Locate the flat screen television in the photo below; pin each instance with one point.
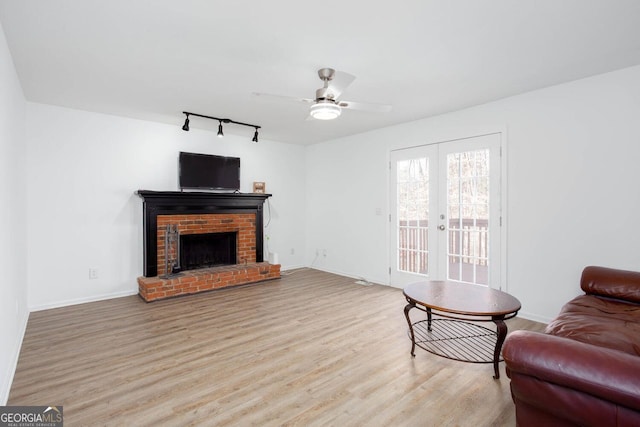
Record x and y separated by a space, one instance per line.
208 172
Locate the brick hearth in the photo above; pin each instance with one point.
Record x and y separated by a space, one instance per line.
205 279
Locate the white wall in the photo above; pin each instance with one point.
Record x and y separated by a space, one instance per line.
573 199
13 280
83 169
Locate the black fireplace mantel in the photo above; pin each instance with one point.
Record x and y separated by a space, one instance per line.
177 202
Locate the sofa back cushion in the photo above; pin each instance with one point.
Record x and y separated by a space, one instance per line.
611 283
603 322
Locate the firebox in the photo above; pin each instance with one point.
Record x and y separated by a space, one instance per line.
207 250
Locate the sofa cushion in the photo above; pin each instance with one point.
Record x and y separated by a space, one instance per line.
599 321
611 283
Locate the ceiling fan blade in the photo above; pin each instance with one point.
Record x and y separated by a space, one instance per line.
340 82
375 108
268 96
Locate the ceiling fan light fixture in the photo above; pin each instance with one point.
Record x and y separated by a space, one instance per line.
325 111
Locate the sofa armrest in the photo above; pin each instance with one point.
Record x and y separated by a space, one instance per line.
611 283
603 373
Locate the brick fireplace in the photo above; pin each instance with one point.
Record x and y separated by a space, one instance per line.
172 216
241 224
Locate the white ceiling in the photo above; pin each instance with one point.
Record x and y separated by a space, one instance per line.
153 59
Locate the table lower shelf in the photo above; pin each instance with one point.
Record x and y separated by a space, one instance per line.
456 340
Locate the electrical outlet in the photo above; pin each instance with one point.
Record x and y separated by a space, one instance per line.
293 251
93 273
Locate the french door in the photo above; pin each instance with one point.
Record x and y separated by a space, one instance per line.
446 212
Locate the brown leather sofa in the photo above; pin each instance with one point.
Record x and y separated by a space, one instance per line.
585 369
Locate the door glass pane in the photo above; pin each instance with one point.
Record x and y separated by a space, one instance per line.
468 209
412 213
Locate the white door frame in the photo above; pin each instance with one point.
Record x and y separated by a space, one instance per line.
501 282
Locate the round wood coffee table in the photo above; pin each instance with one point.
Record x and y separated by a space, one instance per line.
456 334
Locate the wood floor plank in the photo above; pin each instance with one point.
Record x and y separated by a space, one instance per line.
311 348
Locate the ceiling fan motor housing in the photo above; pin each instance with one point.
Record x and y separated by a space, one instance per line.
324 94
326 75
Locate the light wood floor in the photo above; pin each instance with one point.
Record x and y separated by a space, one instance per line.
309 349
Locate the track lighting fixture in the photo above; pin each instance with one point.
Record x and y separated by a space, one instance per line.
220 121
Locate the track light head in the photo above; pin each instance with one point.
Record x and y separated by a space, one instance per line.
220 133
186 124
255 136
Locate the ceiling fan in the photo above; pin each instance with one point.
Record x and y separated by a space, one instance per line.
326 105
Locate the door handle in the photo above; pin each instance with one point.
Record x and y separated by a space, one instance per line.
441 227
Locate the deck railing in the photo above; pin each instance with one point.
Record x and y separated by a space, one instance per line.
468 243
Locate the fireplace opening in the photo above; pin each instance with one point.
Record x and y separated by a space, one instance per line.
207 250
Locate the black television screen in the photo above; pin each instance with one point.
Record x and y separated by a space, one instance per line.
209 172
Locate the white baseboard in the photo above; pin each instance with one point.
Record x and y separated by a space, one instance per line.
534 317
11 369
291 267
76 301
342 273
